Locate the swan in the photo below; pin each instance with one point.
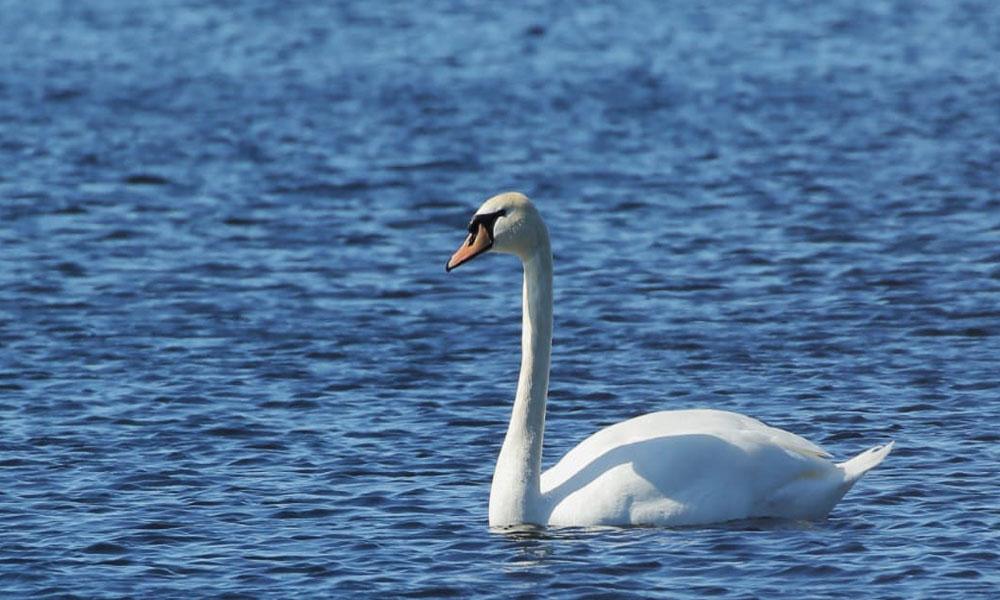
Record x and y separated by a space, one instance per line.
668 468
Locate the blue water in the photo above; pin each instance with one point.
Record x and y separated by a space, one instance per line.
231 362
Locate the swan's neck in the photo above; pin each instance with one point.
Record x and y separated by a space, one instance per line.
515 497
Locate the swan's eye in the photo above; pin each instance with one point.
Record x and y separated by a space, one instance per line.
487 220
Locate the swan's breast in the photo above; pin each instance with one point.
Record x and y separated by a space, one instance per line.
616 496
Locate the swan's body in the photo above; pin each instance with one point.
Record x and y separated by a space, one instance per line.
689 467
684 467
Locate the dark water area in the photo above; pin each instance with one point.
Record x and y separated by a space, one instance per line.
231 362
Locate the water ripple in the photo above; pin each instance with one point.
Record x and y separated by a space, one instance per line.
231 363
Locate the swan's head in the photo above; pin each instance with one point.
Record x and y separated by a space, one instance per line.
507 223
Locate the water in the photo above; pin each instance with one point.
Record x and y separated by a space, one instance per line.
231 362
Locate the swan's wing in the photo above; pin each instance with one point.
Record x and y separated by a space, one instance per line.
719 423
788 440
689 467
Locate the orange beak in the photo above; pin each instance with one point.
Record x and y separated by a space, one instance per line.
474 245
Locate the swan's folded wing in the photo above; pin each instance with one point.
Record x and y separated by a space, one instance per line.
736 428
720 422
794 443
760 431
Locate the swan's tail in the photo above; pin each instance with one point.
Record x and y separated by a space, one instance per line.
864 462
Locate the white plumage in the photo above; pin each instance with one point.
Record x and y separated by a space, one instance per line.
684 467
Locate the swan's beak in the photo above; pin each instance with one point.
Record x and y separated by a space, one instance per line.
474 245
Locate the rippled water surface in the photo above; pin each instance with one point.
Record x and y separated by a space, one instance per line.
231 361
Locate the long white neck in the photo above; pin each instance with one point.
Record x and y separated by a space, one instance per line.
515 497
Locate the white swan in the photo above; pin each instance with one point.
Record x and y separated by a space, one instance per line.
670 468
